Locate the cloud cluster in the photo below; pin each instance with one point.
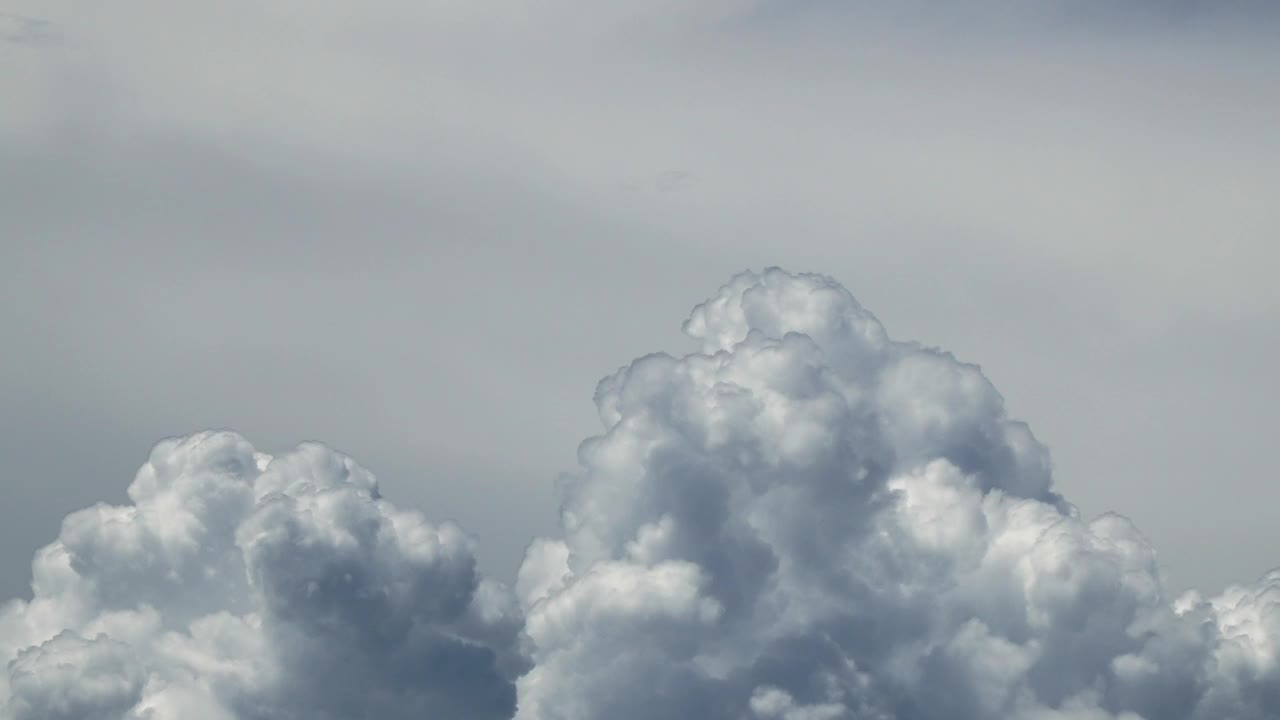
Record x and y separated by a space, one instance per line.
809 520
237 585
803 520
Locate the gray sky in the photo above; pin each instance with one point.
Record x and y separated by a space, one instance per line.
421 232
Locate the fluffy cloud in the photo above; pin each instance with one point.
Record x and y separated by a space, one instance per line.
807 519
237 585
803 520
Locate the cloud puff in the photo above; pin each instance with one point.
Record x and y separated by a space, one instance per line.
237 585
807 519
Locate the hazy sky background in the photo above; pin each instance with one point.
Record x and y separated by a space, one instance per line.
422 231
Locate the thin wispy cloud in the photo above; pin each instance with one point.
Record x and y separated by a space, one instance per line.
23 30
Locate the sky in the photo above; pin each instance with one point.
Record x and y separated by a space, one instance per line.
422 232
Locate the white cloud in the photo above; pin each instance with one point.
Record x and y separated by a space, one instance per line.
810 520
804 520
237 585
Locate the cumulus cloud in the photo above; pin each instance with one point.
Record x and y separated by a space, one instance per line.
802 520
806 519
238 585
